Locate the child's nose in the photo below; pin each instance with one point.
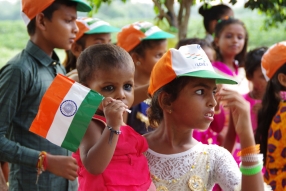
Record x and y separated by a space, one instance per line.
75 28
120 95
212 102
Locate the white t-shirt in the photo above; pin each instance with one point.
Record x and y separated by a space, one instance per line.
201 166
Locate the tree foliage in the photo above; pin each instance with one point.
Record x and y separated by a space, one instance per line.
275 10
178 20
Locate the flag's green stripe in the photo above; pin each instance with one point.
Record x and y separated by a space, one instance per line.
81 121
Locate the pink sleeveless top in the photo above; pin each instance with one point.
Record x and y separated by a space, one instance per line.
127 170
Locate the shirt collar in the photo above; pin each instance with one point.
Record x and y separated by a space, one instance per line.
40 55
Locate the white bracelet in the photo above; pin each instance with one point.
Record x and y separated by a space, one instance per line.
252 166
252 158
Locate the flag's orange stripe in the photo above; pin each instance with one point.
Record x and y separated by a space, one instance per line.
48 107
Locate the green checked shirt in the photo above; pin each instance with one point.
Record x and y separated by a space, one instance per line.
23 82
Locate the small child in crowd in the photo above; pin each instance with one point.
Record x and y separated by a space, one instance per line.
208 136
146 44
230 44
110 156
91 31
271 131
211 15
258 83
182 89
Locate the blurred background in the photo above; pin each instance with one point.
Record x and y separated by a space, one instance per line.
13 35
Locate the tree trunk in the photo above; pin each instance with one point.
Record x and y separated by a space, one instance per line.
183 18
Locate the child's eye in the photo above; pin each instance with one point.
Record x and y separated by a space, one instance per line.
128 87
200 92
108 88
159 55
240 37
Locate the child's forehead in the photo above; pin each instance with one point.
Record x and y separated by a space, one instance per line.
125 65
64 10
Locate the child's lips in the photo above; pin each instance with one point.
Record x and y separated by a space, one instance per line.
72 40
210 115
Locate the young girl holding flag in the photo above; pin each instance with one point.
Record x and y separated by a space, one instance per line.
110 156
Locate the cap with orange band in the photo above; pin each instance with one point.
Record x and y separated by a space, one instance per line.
30 8
88 25
273 59
131 35
189 60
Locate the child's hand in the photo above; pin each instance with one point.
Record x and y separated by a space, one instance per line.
63 166
239 109
113 111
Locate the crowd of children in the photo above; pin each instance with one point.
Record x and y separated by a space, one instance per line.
200 112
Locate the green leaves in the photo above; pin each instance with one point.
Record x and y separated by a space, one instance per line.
275 11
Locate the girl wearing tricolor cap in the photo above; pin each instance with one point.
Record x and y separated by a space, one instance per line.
271 131
182 90
91 31
146 43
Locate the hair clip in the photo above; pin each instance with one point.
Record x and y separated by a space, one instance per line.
283 95
224 18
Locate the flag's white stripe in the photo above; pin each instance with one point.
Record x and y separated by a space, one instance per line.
61 123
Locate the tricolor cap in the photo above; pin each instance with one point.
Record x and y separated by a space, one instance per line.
30 8
131 35
273 59
189 60
88 25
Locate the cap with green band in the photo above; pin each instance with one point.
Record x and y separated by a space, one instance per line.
131 35
30 8
88 25
189 60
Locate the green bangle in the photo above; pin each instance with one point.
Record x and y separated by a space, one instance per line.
252 170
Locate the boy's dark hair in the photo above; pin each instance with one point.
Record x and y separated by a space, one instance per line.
212 13
218 30
146 44
202 42
48 12
253 60
70 60
101 57
173 88
270 103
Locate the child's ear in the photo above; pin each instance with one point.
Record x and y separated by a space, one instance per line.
135 57
40 21
212 25
164 101
215 42
282 79
76 49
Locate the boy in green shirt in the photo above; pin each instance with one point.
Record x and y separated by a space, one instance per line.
23 81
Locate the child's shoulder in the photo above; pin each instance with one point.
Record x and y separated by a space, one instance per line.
217 151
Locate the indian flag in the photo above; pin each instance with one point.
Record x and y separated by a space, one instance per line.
65 112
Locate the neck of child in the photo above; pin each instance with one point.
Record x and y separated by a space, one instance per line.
171 139
229 61
141 78
254 94
42 44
